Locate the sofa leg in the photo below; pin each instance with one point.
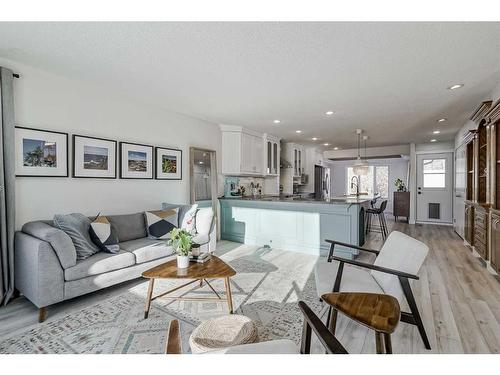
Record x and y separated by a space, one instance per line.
42 314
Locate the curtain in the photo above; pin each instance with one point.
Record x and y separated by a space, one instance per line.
7 177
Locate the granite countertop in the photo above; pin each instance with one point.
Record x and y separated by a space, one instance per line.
295 199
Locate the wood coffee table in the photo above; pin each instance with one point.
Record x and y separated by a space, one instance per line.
215 268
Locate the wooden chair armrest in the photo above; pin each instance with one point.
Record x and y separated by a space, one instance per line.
313 323
174 338
333 243
375 268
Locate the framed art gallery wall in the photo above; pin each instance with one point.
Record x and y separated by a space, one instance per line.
47 101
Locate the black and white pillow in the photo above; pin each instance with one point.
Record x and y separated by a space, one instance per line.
160 223
104 235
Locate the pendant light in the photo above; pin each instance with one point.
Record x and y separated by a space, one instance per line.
360 167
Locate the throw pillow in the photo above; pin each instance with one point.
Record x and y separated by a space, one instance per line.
104 235
189 220
77 226
160 223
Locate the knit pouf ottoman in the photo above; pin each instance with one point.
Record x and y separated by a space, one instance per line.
223 332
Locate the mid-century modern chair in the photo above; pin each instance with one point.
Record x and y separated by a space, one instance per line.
311 324
398 261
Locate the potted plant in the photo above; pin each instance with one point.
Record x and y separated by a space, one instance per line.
182 242
400 185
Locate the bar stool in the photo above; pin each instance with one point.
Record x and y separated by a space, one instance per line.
379 312
382 227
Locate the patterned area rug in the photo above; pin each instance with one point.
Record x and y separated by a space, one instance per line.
266 288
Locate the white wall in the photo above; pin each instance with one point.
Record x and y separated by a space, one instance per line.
398 168
47 101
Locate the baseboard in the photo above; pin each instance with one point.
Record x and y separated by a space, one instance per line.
434 223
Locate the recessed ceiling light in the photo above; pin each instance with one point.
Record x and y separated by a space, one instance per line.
314 138
433 140
457 86
335 148
436 132
442 119
326 144
277 121
298 131
329 113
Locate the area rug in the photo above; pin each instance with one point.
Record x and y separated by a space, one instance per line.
267 287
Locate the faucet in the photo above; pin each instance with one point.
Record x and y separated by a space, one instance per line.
355 184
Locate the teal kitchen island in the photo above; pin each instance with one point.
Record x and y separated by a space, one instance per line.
293 224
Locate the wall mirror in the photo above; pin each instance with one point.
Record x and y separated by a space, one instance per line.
203 177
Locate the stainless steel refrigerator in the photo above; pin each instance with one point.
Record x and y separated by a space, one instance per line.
321 182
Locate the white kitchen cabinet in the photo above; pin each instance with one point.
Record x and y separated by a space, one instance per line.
242 151
271 155
294 154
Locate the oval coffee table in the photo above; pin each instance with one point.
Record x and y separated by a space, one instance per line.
215 268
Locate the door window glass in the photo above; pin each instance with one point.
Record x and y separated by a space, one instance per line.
434 173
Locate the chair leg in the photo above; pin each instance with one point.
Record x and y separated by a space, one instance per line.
381 226
385 225
388 344
405 284
333 322
378 342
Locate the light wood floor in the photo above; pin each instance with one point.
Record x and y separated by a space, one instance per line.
458 298
459 301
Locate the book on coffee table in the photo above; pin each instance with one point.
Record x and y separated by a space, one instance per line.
202 258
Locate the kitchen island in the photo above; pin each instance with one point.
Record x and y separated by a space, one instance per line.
295 224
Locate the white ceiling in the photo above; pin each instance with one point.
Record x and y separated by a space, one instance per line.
389 79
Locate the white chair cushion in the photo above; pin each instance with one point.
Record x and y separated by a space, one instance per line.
267 347
354 279
401 253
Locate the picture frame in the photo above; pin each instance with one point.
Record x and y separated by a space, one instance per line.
41 153
94 157
136 161
168 163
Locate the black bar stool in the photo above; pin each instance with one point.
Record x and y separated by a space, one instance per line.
382 227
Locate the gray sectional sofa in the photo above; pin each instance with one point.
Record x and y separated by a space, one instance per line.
47 270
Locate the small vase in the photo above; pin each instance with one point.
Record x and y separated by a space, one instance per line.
182 261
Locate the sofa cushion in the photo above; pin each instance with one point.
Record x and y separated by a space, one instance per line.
58 239
186 212
147 249
160 223
104 235
129 227
201 239
77 227
99 263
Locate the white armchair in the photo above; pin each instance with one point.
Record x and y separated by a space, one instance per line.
398 261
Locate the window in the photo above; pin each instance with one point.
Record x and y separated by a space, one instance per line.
434 173
375 182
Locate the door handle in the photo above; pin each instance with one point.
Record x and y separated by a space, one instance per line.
419 192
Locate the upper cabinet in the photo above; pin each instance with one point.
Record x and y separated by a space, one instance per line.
246 152
294 153
272 155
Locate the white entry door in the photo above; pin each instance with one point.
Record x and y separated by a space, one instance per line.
435 187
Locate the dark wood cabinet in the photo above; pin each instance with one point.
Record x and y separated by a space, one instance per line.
495 240
401 204
481 231
469 223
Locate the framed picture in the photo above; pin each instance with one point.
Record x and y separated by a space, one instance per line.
168 164
136 161
93 157
41 153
